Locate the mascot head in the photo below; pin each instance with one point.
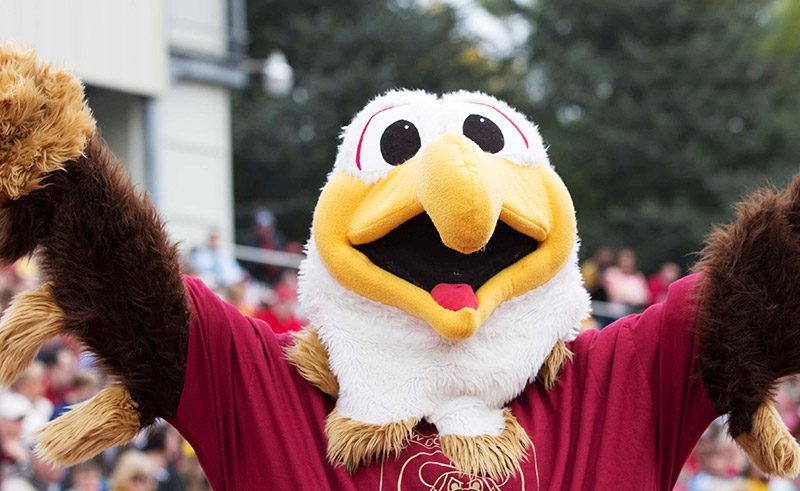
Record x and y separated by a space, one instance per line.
444 208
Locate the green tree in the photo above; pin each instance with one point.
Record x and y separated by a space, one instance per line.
659 113
343 53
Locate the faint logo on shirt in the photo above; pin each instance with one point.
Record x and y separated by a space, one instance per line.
423 467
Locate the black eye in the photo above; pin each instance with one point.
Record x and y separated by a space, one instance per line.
399 142
484 132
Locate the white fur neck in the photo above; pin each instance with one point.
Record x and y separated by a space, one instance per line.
392 366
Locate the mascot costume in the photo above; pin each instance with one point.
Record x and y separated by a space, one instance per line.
444 298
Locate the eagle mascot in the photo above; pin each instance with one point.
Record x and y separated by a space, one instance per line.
444 304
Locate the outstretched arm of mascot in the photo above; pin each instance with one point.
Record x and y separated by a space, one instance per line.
749 322
110 276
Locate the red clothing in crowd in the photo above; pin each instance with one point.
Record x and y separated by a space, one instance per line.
625 414
278 325
658 287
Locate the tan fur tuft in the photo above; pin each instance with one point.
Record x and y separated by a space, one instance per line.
770 445
33 318
353 443
44 121
311 360
486 455
108 419
553 364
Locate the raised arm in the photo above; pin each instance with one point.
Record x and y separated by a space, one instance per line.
749 321
111 276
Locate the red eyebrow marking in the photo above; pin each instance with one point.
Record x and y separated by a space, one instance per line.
361 138
507 118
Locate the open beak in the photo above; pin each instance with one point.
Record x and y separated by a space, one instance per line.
448 235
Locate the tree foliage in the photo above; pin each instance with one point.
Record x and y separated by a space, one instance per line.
343 53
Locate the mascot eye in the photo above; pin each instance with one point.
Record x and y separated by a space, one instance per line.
484 132
400 141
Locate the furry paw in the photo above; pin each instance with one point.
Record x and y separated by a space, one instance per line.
488 455
352 443
44 121
770 445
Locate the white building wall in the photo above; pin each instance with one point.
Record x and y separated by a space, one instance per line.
194 171
116 44
121 119
194 187
124 46
199 26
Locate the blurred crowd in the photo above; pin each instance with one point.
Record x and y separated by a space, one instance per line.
259 290
617 286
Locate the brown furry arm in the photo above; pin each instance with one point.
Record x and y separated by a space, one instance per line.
111 275
749 317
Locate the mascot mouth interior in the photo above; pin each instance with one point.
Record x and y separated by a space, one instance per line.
414 252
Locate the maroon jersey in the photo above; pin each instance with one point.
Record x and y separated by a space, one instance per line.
625 413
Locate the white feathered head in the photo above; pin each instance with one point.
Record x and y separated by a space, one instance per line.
443 207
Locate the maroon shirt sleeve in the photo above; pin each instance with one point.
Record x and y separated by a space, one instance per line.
244 409
660 346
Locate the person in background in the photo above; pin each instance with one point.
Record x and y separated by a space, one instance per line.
61 364
32 384
215 267
264 234
83 386
593 270
280 315
624 283
134 471
14 456
164 448
87 476
659 282
46 477
236 295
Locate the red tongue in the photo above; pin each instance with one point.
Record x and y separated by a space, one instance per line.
454 297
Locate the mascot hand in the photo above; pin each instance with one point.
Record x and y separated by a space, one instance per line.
749 321
110 276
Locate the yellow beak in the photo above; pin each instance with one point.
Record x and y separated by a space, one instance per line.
465 192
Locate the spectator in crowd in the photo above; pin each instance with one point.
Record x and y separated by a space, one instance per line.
280 314
134 471
720 463
593 270
14 455
32 385
624 283
82 387
659 282
215 267
236 295
265 232
46 477
87 476
61 364
164 449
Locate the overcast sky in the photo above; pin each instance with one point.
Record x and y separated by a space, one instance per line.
497 35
